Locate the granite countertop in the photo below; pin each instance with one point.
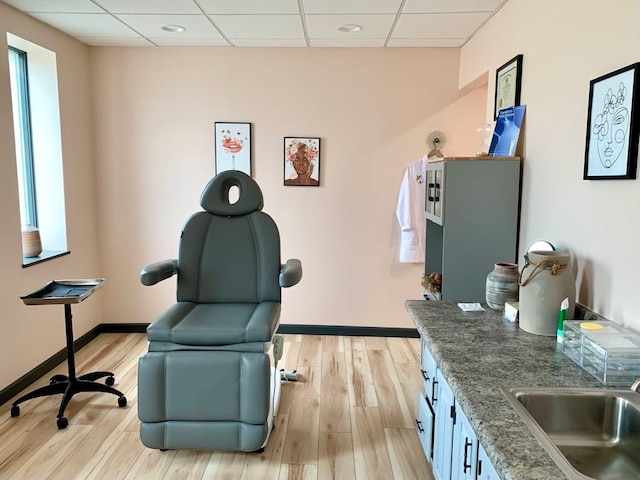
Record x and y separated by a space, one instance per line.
480 352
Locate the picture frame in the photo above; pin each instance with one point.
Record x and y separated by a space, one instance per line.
611 149
508 85
302 161
232 146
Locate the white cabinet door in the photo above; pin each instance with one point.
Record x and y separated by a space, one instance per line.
428 368
443 435
485 470
463 457
424 425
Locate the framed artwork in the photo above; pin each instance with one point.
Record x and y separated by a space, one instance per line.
233 147
302 161
508 84
611 150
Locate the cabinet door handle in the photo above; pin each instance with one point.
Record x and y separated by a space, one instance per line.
467 444
425 375
479 468
420 429
433 392
433 196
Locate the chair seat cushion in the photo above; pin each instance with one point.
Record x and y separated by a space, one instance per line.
188 323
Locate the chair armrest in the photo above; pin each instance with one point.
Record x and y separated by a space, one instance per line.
290 273
156 272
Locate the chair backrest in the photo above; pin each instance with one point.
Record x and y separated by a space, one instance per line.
229 253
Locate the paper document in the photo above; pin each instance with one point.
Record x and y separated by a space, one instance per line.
471 307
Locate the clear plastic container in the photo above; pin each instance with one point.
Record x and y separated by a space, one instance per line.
608 351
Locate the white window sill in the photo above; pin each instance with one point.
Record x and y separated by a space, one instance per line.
43 257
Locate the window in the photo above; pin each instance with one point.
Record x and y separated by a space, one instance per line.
36 119
22 123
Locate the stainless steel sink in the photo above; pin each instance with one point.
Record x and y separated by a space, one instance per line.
589 433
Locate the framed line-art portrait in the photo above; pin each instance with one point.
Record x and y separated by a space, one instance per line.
611 150
232 147
508 85
302 161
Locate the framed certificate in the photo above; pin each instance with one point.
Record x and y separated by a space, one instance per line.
508 83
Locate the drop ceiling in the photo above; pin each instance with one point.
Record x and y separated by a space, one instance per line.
265 23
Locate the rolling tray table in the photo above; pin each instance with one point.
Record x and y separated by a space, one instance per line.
67 292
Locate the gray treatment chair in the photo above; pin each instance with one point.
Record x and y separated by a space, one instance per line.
207 382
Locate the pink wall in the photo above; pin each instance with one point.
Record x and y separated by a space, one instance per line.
596 220
32 334
154 110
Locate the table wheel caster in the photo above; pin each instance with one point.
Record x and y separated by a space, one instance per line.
110 381
62 423
15 411
57 379
122 401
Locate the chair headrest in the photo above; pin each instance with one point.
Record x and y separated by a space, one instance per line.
215 196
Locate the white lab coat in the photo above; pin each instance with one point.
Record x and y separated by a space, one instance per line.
410 213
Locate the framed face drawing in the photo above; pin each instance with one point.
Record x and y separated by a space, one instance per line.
233 147
302 161
611 150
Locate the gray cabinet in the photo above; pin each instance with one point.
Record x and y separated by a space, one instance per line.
472 214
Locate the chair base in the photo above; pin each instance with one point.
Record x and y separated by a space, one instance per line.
61 384
213 435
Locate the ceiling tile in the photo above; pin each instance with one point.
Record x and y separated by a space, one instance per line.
260 26
198 26
190 42
269 42
438 25
351 6
270 23
150 6
55 6
426 42
326 26
115 41
250 6
86 25
442 6
349 42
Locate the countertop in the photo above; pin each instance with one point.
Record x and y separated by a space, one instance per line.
480 352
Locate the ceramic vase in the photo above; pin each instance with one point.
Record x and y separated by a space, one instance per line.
546 280
31 243
502 285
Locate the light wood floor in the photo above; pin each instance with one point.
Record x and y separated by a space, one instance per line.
350 416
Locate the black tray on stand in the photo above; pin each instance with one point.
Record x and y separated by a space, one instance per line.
68 292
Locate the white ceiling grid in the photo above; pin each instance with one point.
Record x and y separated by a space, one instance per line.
265 23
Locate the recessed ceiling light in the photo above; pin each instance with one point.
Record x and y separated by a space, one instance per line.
350 27
173 28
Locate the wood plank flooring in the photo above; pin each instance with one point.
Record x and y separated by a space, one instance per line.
350 416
